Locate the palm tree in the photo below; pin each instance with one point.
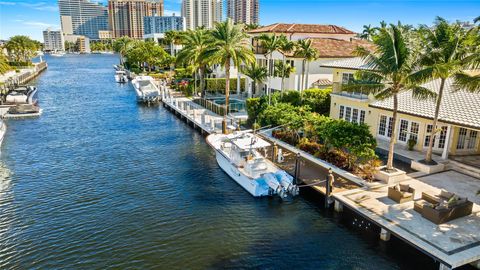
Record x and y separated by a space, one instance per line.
256 73
308 53
477 19
286 46
121 46
446 55
284 70
270 43
21 48
391 73
368 32
228 44
174 38
195 45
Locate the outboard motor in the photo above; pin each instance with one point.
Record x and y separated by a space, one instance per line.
287 182
273 183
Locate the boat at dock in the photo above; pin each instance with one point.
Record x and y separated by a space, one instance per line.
146 89
121 76
57 54
239 155
23 110
22 95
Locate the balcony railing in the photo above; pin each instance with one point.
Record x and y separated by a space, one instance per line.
337 90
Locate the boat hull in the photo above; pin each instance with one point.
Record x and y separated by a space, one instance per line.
256 187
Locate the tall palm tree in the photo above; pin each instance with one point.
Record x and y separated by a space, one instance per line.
284 70
368 32
195 44
391 72
228 44
270 43
446 54
308 53
286 46
21 48
121 46
174 38
477 19
256 73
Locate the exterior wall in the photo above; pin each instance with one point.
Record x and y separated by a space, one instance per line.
83 17
53 40
162 24
105 34
243 11
126 16
202 13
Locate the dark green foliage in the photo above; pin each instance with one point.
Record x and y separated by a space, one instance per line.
217 85
318 100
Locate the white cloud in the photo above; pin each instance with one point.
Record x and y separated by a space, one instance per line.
7 3
40 6
37 24
167 12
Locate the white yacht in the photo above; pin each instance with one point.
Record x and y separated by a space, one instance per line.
57 54
121 76
146 89
22 95
239 155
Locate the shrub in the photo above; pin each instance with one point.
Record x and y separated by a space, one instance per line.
318 100
218 85
254 107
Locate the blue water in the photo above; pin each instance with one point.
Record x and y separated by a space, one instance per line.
99 182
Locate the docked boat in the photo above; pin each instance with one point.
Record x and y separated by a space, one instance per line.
239 155
22 95
146 89
57 54
23 110
116 67
121 76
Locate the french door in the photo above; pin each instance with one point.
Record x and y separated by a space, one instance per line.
440 139
467 139
407 130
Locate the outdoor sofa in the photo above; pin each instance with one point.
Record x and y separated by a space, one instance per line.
443 207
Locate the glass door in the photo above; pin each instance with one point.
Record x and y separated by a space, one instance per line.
467 139
440 139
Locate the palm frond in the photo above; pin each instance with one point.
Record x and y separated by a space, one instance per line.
464 81
420 92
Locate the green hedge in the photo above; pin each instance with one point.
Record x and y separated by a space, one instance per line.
217 85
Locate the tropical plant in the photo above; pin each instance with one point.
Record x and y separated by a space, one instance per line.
477 19
283 70
174 38
392 66
21 48
270 43
4 66
308 53
121 46
228 44
446 55
368 32
195 44
285 46
257 74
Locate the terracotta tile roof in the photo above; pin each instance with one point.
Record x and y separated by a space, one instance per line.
337 48
458 107
301 28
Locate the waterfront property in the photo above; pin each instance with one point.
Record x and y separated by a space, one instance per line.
459 119
83 17
53 40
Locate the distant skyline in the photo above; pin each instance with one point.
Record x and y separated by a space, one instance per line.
30 17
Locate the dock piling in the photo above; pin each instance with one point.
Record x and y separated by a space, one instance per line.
384 235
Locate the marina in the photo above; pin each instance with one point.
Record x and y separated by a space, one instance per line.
170 178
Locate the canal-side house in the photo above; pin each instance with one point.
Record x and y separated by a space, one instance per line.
331 41
459 118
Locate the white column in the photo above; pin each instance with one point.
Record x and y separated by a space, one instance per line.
239 77
447 142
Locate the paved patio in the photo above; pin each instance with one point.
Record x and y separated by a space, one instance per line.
455 243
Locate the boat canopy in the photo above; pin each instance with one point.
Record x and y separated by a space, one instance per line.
249 141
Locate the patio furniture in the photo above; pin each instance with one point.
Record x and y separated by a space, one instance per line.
443 207
401 193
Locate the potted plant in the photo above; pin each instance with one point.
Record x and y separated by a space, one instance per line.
411 144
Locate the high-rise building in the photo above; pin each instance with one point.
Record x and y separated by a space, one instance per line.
82 17
162 24
204 13
126 16
243 11
53 40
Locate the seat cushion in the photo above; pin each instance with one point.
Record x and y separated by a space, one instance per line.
446 194
404 187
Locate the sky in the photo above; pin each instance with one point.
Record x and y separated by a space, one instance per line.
31 17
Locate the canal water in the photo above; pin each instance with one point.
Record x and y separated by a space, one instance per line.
100 182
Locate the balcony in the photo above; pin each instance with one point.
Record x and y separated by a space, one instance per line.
337 90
